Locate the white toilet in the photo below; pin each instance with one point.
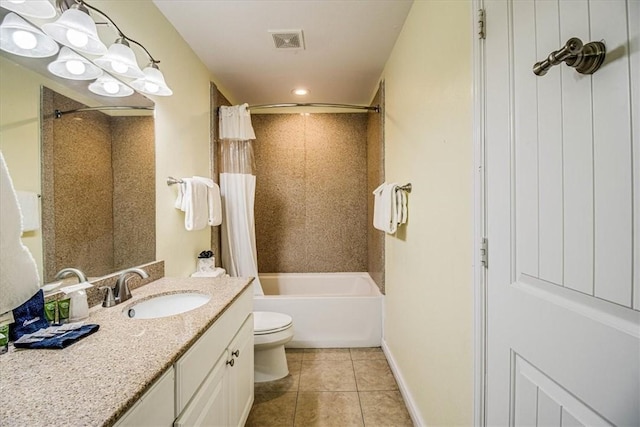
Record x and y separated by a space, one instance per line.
271 331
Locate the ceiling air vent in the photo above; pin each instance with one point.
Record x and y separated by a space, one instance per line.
287 39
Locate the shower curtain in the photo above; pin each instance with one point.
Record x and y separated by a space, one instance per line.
237 190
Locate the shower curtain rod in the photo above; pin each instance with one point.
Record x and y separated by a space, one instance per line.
375 108
57 113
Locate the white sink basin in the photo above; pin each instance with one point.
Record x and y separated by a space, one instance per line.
166 305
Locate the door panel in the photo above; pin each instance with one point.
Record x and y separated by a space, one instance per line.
541 401
549 105
563 338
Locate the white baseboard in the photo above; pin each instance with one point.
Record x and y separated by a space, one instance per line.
404 391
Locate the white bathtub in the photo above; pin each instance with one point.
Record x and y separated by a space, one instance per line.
328 309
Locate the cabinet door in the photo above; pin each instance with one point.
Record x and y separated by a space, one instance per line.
240 375
194 366
155 407
209 406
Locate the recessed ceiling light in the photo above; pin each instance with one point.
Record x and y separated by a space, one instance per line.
300 92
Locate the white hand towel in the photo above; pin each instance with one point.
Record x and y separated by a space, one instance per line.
401 205
30 210
196 212
19 278
378 208
178 203
405 209
385 214
213 199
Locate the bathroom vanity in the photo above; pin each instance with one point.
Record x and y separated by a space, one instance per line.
188 369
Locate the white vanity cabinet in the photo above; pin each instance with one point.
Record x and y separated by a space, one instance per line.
214 378
155 407
211 384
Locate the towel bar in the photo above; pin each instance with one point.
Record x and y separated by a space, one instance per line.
406 187
171 180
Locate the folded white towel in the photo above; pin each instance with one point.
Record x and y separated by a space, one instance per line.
179 199
213 199
19 278
385 213
401 207
30 210
194 201
379 216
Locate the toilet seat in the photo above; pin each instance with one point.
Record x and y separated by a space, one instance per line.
265 322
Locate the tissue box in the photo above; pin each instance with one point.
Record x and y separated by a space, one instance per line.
206 264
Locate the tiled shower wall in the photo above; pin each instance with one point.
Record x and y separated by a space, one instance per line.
98 189
375 177
217 99
311 192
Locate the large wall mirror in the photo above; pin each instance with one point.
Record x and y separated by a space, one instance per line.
94 170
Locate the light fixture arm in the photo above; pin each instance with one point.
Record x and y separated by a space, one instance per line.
65 4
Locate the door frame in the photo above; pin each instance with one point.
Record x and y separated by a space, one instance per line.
479 217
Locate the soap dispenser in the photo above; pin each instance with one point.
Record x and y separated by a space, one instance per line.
79 306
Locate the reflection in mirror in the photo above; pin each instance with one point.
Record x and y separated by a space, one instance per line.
20 141
98 189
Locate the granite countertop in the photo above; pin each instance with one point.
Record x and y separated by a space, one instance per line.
96 380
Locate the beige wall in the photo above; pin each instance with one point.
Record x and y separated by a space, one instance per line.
428 142
311 192
20 136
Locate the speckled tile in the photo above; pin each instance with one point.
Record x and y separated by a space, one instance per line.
311 201
384 409
74 384
98 189
375 177
272 410
328 409
134 190
374 375
327 375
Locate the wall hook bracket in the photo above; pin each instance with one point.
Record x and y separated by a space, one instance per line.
585 58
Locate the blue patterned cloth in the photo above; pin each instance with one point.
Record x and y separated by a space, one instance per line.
62 340
29 317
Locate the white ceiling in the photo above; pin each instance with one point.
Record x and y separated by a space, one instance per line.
347 44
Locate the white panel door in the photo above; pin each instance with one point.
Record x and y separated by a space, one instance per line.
562 162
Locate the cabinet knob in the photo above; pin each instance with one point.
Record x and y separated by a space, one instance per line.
230 362
236 353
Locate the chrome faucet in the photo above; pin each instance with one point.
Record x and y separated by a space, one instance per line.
69 271
121 290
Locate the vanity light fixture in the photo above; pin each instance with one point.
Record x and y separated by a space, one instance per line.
108 86
76 29
153 82
300 92
70 65
120 60
19 37
32 8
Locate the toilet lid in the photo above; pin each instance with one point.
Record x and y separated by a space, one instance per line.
266 322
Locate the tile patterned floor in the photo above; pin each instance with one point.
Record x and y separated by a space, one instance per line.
338 387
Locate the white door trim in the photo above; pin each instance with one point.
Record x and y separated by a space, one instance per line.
479 276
